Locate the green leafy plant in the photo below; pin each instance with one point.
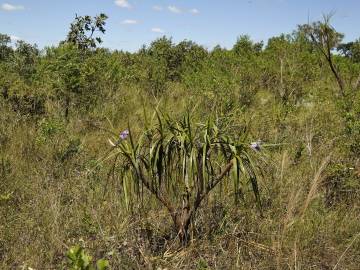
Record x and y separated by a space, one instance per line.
181 162
48 128
73 148
5 48
82 31
80 260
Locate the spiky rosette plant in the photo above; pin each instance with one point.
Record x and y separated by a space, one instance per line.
181 162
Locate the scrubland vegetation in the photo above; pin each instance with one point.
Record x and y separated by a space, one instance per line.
241 158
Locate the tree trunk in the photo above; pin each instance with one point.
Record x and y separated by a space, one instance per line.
67 108
182 222
182 219
5 92
183 215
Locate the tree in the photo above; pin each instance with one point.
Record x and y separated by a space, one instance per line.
289 66
189 55
82 31
245 46
325 38
350 50
180 163
25 57
75 76
247 64
70 67
5 49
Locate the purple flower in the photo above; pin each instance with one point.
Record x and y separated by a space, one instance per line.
124 134
256 146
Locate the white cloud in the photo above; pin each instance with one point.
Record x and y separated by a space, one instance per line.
10 7
174 9
122 3
157 30
157 8
14 38
194 11
129 22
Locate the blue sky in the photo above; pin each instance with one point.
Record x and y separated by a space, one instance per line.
133 23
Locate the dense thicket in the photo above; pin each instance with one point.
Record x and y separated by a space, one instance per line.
58 106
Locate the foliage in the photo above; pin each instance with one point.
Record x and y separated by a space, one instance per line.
350 50
79 260
25 56
181 162
48 128
74 77
325 38
244 46
353 127
167 61
5 49
82 31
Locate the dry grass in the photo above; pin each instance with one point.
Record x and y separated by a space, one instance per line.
54 204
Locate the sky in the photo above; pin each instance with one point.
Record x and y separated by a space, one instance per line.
133 23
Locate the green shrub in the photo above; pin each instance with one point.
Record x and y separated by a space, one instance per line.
80 260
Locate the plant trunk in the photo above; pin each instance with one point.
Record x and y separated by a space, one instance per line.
182 216
182 219
182 222
5 92
67 108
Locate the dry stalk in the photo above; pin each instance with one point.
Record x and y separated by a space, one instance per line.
315 184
